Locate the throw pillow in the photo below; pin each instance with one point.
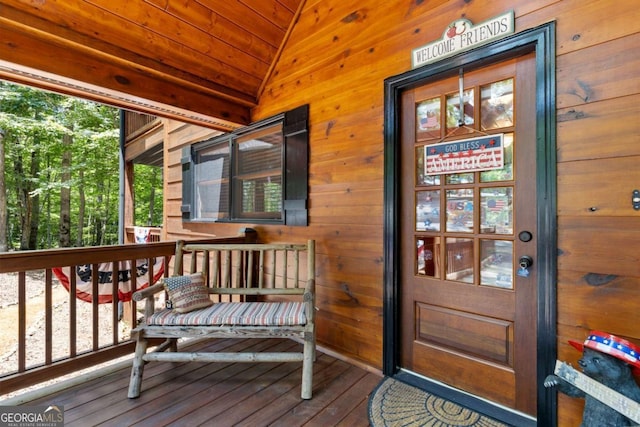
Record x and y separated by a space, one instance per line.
187 293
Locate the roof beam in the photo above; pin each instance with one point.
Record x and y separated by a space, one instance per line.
32 56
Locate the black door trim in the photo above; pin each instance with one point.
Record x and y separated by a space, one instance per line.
542 41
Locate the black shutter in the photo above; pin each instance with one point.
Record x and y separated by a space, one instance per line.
296 173
187 186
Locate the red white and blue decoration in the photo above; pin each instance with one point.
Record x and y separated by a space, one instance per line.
142 234
613 346
84 279
467 155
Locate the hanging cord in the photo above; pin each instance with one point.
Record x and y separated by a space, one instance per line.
461 98
461 124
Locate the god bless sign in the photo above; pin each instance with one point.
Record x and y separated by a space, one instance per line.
466 155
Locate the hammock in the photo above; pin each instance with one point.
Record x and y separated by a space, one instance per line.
84 277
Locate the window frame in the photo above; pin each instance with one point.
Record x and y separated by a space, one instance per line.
294 172
238 177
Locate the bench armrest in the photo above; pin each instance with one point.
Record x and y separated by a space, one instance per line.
310 288
309 297
147 292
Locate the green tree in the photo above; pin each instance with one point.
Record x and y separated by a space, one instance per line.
57 148
3 198
27 116
148 195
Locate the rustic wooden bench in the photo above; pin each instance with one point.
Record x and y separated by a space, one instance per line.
251 290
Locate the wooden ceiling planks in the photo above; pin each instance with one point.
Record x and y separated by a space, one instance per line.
250 20
273 12
150 33
219 26
222 50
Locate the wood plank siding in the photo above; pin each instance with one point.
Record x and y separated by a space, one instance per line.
335 58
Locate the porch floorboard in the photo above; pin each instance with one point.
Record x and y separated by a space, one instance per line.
223 394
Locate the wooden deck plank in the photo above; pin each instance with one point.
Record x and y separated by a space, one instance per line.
217 411
305 411
213 394
345 403
222 394
156 374
177 389
114 382
326 369
258 403
355 417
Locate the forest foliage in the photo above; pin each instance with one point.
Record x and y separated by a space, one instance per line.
59 172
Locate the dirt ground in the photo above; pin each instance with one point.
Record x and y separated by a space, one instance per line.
35 325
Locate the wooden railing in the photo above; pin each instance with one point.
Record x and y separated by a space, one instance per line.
36 267
136 124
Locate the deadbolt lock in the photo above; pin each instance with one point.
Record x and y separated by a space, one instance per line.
525 262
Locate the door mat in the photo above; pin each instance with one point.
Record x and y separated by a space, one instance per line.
394 403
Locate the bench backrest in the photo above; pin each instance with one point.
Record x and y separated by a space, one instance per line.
243 269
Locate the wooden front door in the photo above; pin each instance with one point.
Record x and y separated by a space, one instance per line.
468 307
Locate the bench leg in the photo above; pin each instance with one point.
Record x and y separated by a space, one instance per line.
309 355
137 369
170 344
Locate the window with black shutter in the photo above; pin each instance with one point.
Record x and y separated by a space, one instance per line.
255 174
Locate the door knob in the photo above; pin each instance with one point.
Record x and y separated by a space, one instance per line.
525 262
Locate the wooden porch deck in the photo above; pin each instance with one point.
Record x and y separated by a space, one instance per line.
223 394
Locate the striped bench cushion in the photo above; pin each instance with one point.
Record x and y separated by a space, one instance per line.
235 313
